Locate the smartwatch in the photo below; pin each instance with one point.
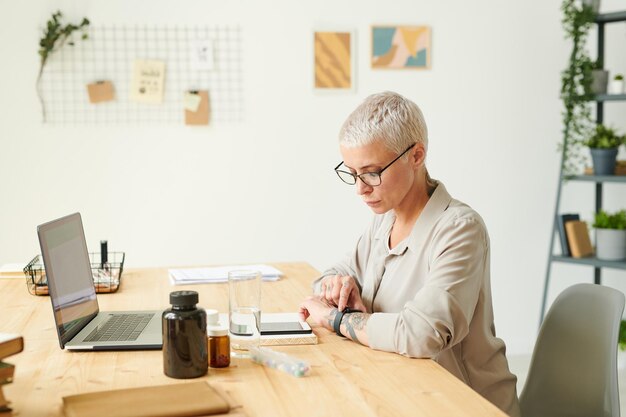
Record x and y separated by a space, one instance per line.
339 317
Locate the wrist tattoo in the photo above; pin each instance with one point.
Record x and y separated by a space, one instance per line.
355 321
330 318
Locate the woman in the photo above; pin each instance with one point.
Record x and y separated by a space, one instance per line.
417 283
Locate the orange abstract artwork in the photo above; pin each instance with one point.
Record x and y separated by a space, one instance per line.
333 60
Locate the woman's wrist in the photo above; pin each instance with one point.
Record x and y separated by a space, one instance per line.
330 318
339 316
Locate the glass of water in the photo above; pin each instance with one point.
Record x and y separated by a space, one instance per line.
244 311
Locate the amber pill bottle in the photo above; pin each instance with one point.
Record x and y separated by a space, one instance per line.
219 342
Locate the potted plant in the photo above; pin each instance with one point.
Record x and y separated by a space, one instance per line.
610 235
603 144
575 86
617 85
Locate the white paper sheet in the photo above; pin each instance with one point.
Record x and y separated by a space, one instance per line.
218 274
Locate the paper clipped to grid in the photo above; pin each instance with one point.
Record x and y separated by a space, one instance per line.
218 274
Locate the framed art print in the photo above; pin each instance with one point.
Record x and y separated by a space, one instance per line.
333 56
401 47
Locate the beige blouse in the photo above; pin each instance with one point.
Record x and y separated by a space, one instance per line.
431 295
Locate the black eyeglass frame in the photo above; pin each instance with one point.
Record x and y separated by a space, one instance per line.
378 173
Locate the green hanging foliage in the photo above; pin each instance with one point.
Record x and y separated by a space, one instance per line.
575 87
54 37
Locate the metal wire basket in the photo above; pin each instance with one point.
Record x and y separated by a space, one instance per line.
106 277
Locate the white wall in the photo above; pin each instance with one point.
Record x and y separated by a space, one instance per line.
264 190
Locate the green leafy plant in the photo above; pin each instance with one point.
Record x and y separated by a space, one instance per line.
622 335
618 77
604 138
54 37
597 64
575 86
604 220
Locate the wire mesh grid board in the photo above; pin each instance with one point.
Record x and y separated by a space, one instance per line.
109 54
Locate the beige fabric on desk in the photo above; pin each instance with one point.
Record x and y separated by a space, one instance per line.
431 295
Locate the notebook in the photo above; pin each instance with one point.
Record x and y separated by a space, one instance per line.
80 323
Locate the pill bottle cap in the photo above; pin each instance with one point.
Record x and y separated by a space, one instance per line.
212 316
216 330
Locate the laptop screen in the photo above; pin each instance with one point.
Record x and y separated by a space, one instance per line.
68 270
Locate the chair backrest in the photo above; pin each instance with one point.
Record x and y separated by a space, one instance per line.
573 370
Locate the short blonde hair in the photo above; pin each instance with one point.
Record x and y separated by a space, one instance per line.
389 117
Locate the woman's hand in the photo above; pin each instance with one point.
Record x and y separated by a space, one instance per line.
342 291
320 312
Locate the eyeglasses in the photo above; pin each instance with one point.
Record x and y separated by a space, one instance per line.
369 178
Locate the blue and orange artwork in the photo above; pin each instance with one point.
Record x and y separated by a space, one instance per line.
405 47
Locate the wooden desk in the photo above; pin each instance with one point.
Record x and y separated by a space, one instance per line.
346 379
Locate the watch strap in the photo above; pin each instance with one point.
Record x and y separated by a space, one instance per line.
339 317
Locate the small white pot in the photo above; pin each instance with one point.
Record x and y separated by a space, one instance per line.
611 244
616 87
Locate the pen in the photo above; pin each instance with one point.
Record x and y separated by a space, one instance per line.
104 253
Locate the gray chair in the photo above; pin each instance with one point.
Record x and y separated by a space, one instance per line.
573 370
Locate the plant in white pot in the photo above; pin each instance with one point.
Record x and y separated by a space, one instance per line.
604 144
610 235
617 84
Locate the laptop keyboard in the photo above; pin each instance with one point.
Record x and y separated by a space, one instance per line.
120 328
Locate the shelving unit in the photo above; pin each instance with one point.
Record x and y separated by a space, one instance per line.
598 263
599 180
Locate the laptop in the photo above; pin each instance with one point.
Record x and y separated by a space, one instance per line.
80 323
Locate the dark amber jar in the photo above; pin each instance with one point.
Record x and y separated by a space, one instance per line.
184 337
